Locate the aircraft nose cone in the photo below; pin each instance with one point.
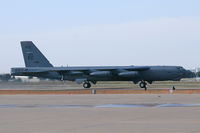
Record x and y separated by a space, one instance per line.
189 74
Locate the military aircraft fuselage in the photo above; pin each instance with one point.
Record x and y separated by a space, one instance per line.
37 65
112 73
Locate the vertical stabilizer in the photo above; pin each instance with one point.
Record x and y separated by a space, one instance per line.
32 55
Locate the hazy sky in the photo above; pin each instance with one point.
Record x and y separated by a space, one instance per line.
102 32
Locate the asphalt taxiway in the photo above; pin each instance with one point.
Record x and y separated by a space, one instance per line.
153 113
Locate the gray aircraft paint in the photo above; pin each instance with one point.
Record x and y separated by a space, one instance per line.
37 65
32 55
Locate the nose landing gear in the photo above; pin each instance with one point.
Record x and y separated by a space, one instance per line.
143 84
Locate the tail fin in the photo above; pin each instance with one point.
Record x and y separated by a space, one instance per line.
32 55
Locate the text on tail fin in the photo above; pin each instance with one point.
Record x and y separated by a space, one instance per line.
32 55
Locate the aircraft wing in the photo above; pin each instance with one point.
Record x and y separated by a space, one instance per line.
80 70
84 69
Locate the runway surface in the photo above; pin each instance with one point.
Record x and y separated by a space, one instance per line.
100 106
100 113
99 91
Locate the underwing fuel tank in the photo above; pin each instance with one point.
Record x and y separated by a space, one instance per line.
100 73
129 74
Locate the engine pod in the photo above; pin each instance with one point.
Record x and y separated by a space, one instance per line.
100 73
129 74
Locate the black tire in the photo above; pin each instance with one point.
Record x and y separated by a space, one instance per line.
86 85
89 85
142 85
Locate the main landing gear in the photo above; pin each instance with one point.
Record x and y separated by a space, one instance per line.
86 85
143 84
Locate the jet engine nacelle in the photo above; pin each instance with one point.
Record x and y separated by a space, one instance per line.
100 73
129 74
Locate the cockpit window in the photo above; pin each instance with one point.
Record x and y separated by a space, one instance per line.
180 68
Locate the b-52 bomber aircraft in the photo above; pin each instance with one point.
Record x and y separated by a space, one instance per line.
37 65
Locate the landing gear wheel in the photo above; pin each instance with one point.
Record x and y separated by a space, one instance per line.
86 85
143 85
